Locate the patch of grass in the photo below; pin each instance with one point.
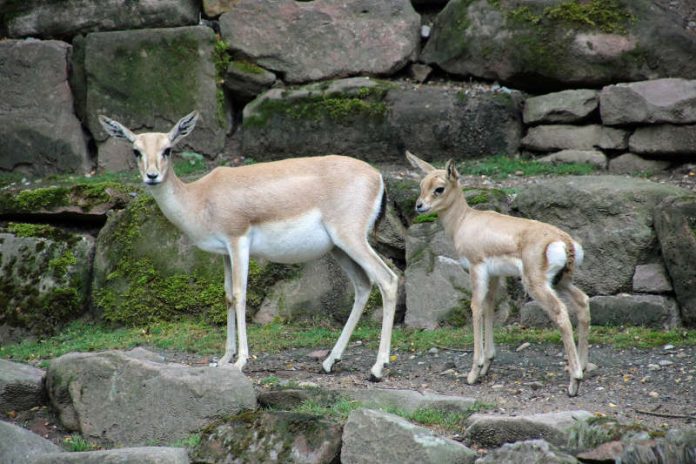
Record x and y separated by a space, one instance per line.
447 420
339 409
191 163
427 217
189 442
76 443
501 166
204 339
270 380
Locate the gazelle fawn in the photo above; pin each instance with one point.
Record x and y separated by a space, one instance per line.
289 211
492 246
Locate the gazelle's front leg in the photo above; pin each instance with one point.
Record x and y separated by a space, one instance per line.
238 249
488 322
230 344
479 289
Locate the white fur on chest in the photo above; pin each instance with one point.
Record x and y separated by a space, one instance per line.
295 240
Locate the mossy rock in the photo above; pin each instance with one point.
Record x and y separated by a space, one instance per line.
552 44
44 276
82 199
146 270
270 436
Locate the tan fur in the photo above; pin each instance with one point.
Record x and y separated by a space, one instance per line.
485 237
287 211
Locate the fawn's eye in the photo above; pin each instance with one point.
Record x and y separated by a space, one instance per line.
167 152
137 153
438 191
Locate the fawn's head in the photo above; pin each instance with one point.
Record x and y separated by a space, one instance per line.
152 150
438 187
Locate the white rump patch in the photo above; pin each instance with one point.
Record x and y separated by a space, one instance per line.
556 256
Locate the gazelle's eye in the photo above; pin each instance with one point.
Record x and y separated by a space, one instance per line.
137 153
438 191
167 152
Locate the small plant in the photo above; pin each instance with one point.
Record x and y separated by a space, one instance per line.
77 443
270 381
189 442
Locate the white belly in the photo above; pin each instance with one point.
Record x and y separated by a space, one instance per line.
295 240
503 266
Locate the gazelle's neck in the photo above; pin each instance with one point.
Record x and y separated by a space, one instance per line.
453 215
171 197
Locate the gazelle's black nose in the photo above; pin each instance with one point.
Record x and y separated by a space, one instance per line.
152 176
419 205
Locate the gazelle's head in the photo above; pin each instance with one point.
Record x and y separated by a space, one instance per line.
152 150
438 187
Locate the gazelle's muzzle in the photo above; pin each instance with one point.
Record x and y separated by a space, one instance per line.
422 207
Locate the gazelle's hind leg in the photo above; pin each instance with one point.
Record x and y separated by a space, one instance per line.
488 322
542 292
479 290
362 286
378 272
580 304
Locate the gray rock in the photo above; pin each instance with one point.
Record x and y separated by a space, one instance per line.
124 81
613 139
660 101
408 400
374 120
419 72
367 431
664 140
537 451
271 436
21 386
593 157
492 431
38 18
246 80
436 284
640 310
612 217
213 8
630 163
39 132
44 276
119 398
568 106
651 278
20 446
533 315
562 137
675 222
144 455
537 49
320 40
677 447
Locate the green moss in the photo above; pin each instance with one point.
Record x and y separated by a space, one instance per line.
609 16
427 217
222 60
365 103
42 198
21 229
247 67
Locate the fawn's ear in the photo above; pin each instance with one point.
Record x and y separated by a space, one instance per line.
116 129
452 174
183 128
419 163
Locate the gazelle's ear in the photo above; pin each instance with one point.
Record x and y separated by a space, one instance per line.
116 129
183 128
452 174
419 163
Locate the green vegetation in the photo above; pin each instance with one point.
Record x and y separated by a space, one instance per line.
610 16
365 103
247 67
21 229
189 442
502 166
427 217
222 60
77 443
205 339
191 163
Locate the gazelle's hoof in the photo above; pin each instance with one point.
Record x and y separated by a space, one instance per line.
473 377
329 364
574 387
486 367
376 373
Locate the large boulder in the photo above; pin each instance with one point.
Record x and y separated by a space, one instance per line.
310 41
554 137
133 398
375 120
612 217
656 311
20 446
148 80
675 221
537 451
409 401
661 101
367 431
630 163
44 276
21 386
39 132
65 19
492 431
143 455
271 436
145 269
554 44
